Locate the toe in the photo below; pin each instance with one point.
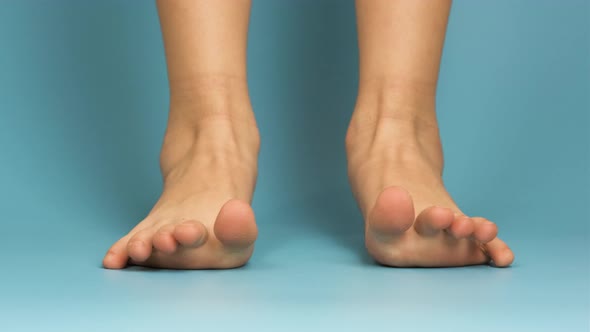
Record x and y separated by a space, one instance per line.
116 257
432 220
235 225
392 214
485 230
164 241
139 246
461 227
190 233
499 252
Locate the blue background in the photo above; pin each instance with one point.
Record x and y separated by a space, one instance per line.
83 102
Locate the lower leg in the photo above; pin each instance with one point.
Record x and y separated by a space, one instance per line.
203 218
394 151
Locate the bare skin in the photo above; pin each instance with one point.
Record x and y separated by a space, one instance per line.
395 158
203 219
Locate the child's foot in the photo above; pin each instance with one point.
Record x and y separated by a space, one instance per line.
203 218
395 168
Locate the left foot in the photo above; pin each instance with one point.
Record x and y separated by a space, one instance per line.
395 170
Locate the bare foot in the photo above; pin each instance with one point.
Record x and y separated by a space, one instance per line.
203 218
395 169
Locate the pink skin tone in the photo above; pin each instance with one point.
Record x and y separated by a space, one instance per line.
204 220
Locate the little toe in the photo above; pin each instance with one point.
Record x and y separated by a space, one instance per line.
432 220
485 230
116 257
190 233
462 227
235 225
499 252
139 246
164 241
392 215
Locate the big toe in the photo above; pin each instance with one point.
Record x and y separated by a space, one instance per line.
392 214
235 225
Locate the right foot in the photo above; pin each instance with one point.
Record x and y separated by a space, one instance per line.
203 219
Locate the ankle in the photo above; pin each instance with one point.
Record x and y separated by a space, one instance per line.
401 100
395 122
216 142
212 117
210 97
405 142
214 106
